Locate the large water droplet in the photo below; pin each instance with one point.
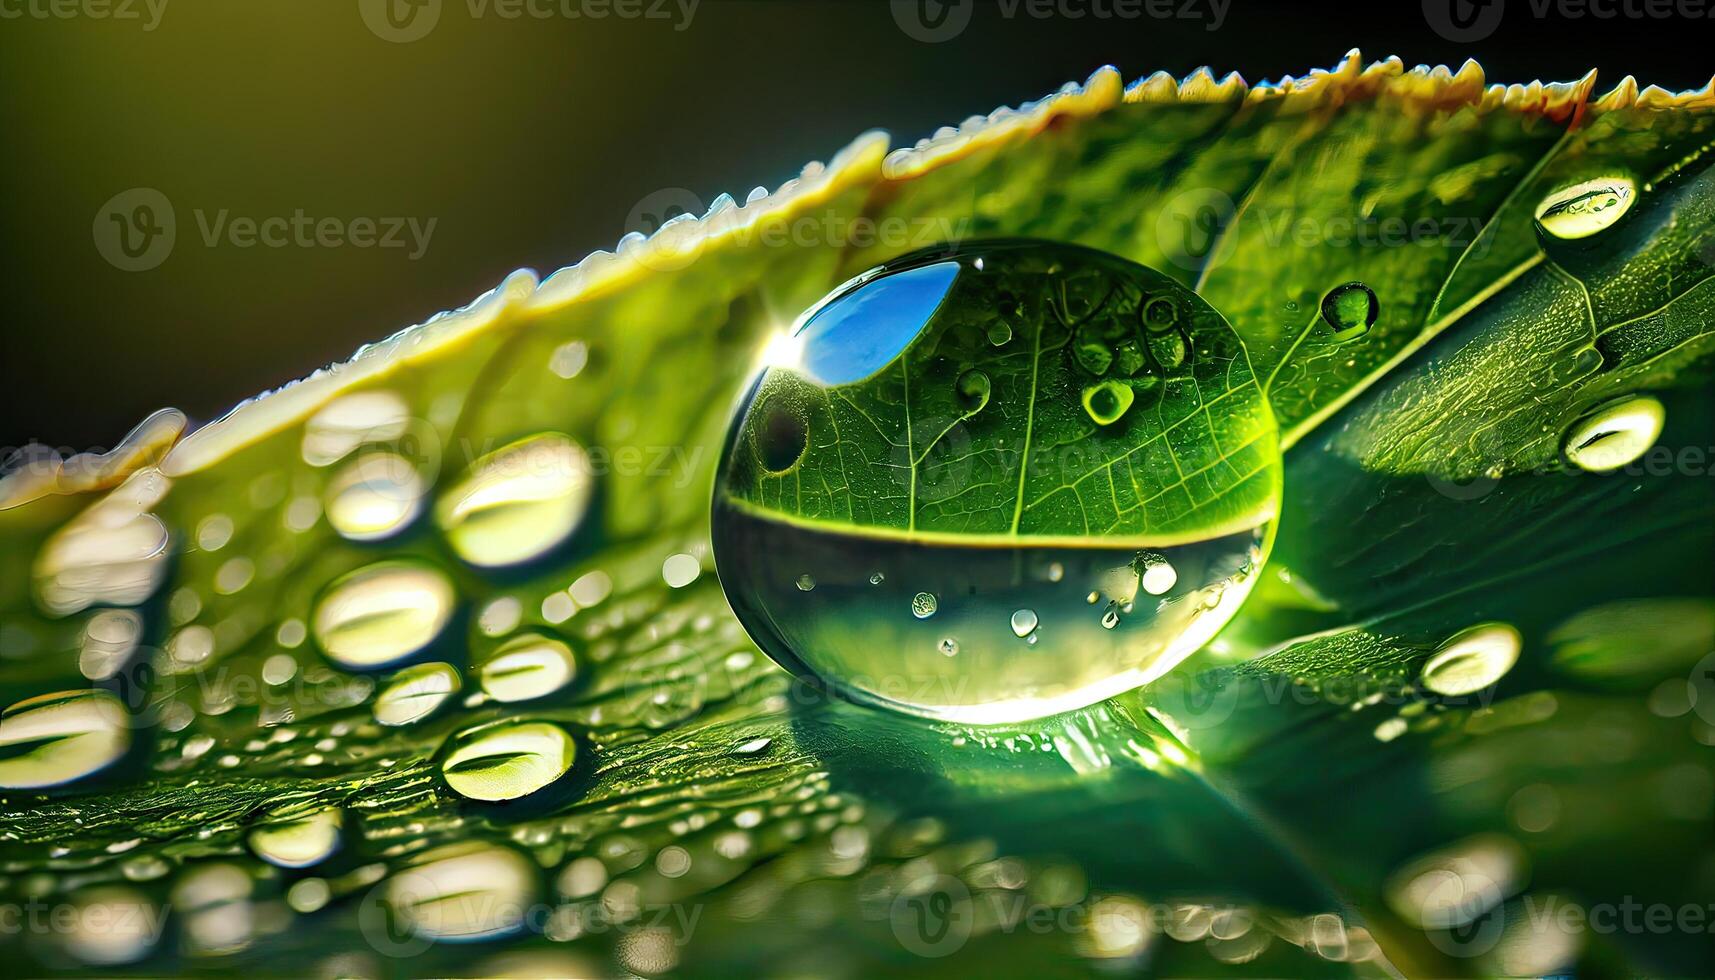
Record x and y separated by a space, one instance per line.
298 842
527 667
926 527
1350 310
382 613
374 496
350 421
1615 434
465 892
114 553
507 760
1472 659
56 739
1585 208
518 502
415 693
113 925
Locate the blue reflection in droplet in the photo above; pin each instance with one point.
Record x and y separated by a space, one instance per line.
863 331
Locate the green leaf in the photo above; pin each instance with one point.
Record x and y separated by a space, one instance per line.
1271 808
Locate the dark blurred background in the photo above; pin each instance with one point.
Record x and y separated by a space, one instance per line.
528 132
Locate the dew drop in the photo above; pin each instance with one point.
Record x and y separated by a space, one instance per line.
1107 402
298 842
949 647
805 583
382 613
507 760
1155 573
1615 434
109 640
973 391
923 605
877 578
374 496
527 667
1585 208
999 333
680 570
54 739
518 502
113 925
754 746
114 553
350 421
568 359
1159 313
1023 623
466 892
1350 310
1472 659
416 693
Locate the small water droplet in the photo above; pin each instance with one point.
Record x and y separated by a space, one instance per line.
680 570
518 502
374 496
1159 313
55 739
974 389
1093 598
382 613
464 892
298 842
877 578
1056 571
949 647
569 358
1023 622
1108 401
507 760
1472 659
754 746
923 605
805 583
416 693
1350 310
1615 434
1585 208
350 421
527 667
999 332
1155 573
